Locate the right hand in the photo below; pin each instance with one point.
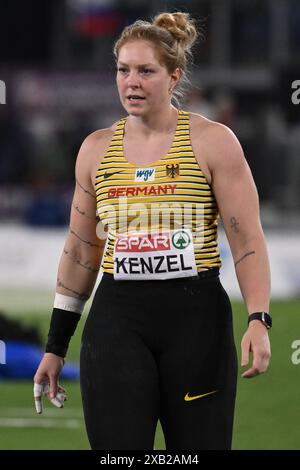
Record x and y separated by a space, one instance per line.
46 382
256 340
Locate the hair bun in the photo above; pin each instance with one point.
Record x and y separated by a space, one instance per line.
180 25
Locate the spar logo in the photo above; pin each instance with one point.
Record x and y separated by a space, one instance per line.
153 242
162 255
143 242
181 240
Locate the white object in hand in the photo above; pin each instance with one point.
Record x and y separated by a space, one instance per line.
39 390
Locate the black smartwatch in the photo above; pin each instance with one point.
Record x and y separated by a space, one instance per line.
264 317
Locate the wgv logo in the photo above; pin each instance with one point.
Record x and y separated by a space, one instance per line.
2 353
145 174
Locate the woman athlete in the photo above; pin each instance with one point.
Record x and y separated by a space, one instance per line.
158 341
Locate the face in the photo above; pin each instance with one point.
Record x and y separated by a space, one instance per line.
143 82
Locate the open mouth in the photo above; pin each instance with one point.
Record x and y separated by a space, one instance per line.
135 98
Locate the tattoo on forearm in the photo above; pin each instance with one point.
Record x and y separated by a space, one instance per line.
243 257
77 261
234 224
85 190
79 295
83 213
84 241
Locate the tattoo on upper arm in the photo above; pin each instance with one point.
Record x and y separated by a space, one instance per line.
234 224
85 190
78 294
77 261
84 241
83 213
243 257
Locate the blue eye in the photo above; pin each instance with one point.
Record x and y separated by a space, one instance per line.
147 71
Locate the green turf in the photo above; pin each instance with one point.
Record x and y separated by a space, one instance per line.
267 408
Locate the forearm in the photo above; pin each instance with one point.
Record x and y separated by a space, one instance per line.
77 274
78 269
253 273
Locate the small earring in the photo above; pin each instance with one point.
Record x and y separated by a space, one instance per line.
170 91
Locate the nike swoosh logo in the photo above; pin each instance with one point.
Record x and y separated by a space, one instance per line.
188 398
107 175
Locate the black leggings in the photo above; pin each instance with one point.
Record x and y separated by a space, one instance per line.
146 347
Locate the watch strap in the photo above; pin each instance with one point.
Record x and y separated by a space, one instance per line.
264 317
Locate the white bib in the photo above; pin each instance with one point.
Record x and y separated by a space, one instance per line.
164 255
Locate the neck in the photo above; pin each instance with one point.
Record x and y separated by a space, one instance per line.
161 122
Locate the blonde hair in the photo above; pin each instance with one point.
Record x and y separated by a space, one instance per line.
173 35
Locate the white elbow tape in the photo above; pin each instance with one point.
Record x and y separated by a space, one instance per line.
71 304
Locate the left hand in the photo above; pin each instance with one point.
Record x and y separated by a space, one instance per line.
256 340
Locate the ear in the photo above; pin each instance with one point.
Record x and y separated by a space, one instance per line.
175 77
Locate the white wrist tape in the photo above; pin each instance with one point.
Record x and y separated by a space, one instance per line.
65 302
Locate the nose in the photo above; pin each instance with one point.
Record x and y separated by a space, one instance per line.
133 80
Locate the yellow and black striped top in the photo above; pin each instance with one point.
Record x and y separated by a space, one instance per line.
171 192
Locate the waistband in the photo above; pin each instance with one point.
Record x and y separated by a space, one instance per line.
210 273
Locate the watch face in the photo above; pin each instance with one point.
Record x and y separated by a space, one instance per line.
266 319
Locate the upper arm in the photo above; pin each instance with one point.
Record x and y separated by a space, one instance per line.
233 187
83 217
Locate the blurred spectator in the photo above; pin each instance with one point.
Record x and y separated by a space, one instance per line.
48 207
14 330
197 102
225 109
14 148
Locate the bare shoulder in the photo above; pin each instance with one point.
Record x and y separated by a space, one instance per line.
96 142
92 151
215 141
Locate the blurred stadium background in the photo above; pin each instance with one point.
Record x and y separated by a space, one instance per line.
57 86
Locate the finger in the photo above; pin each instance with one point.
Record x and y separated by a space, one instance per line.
256 364
245 353
259 365
260 359
56 402
38 405
62 397
37 393
38 390
53 386
262 364
266 364
61 394
252 372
